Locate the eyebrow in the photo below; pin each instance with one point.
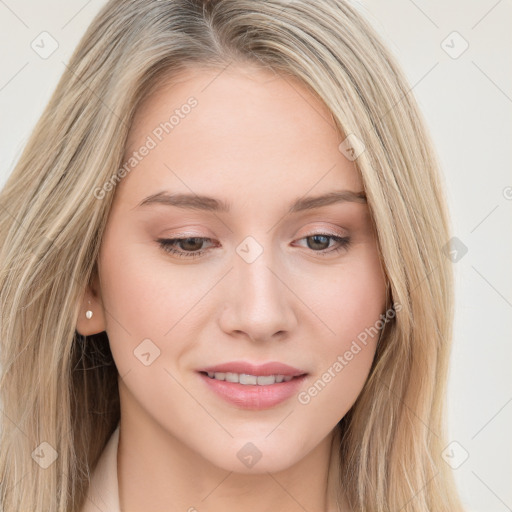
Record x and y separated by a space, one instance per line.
199 202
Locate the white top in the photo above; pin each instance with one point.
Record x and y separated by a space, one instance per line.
103 494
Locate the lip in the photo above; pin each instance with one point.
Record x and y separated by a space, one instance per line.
254 397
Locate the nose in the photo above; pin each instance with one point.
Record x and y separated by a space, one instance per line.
260 304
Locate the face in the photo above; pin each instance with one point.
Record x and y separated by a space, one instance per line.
258 273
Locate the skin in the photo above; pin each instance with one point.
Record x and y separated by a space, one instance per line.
258 141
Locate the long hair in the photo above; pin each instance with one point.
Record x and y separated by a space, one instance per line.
59 389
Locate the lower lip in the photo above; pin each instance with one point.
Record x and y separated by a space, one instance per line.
254 397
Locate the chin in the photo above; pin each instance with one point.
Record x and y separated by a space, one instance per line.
256 456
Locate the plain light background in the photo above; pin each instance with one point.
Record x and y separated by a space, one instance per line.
466 98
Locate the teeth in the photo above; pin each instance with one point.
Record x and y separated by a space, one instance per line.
230 377
264 380
246 379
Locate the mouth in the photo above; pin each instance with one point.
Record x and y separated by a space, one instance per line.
253 387
247 370
247 379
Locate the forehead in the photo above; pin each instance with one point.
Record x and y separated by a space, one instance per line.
251 132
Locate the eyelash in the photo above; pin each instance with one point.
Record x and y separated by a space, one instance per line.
167 244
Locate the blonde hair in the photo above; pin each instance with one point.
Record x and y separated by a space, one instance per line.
60 388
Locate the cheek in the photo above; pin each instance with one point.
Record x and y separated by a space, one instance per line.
350 304
350 298
343 365
140 287
148 298
141 301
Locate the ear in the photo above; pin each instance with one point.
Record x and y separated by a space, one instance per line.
91 301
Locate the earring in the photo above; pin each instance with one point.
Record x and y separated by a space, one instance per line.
88 313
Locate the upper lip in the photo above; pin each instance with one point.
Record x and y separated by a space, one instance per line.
271 368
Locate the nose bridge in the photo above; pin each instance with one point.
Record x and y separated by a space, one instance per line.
258 284
258 288
259 300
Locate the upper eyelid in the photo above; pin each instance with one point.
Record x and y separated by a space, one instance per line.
314 233
316 230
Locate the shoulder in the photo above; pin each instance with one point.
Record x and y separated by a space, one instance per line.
103 492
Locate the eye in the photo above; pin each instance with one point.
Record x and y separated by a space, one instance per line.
320 243
192 247
187 247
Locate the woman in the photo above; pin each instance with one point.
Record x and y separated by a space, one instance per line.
223 283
